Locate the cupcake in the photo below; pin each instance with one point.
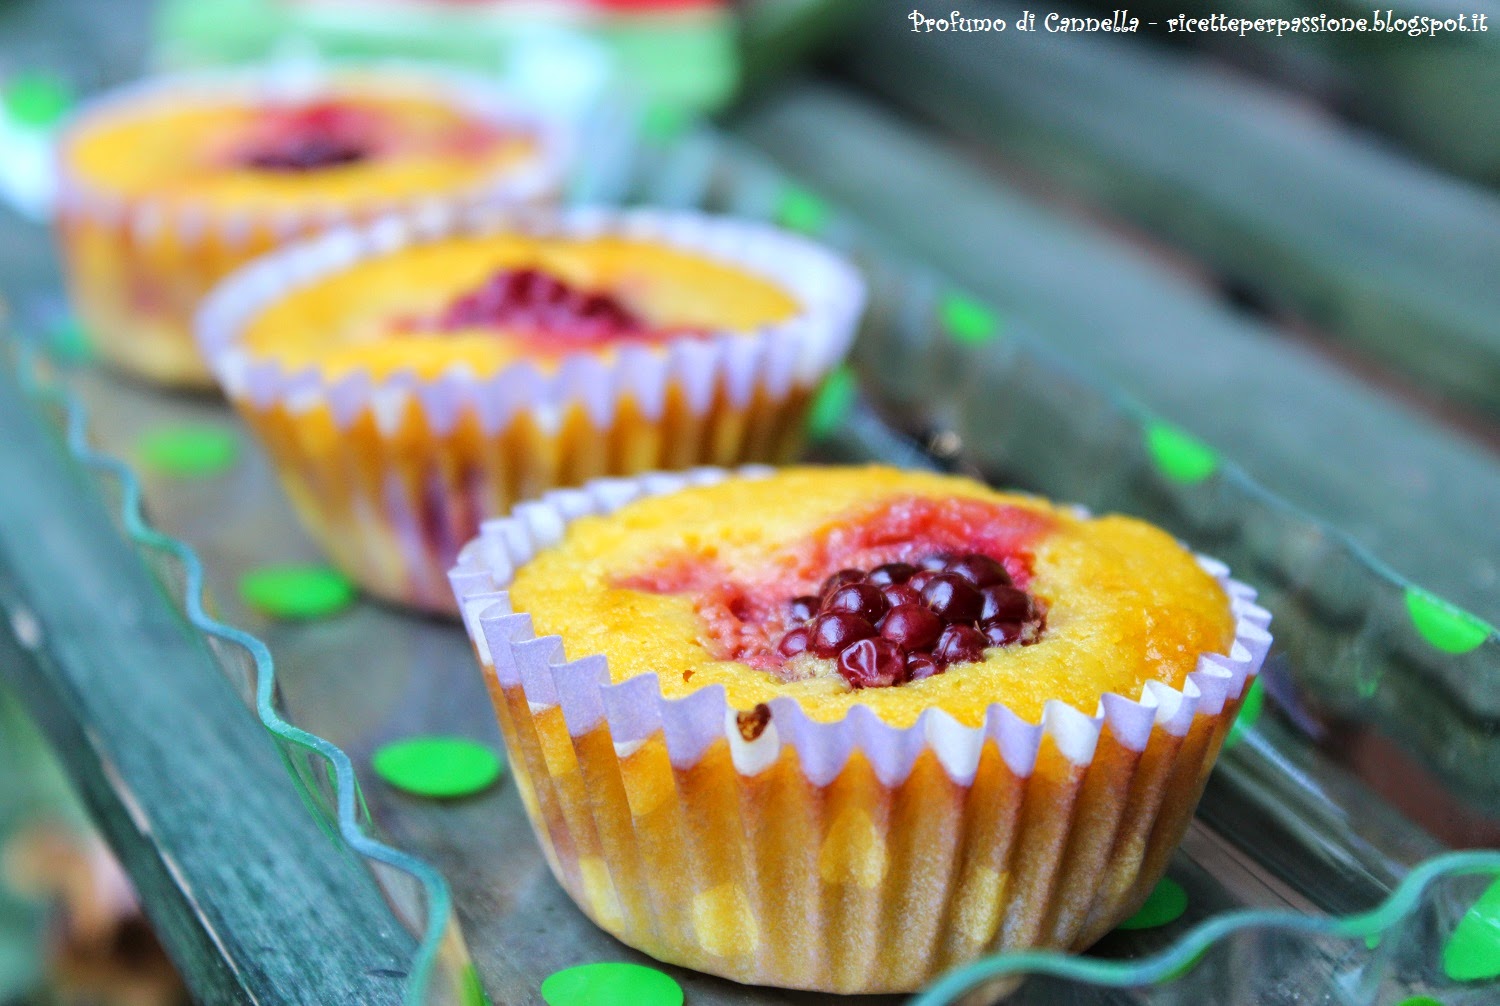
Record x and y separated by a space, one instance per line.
843 729
414 377
167 187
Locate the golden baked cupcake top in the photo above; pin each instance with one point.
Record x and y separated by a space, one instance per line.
484 302
900 591
232 145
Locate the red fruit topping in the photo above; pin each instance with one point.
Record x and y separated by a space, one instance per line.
306 154
1005 604
804 607
834 630
892 572
959 644
921 665
911 627
980 570
921 579
794 642
839 579
308 137
953 598
872 663
918 585
862 599
898 594
1002 633
537 302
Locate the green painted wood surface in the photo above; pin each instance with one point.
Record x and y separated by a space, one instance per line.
374 674
1394 257
33 790
516 919
253 902
1432 95
1410 490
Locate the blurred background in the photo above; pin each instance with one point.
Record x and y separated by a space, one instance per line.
1289 245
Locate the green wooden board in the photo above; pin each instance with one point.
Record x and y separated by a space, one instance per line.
1383 252
1413 492
1432 95
127 694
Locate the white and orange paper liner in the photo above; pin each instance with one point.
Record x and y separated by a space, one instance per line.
394 473
849 856
116 247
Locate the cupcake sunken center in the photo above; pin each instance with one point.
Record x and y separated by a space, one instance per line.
310 137
902 594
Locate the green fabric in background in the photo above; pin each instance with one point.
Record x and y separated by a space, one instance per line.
687 59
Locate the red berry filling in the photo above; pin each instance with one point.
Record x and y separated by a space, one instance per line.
919 585
886 635
553 313
538 301
308 137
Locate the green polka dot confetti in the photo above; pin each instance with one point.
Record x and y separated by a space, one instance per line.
189 451
967 320
1178 455
71 343
1250 710
800 210
297 592
611 984
832 404
1446 626
1165 905
663 123
439 767
1473 951
37 99
1420 1001
473 992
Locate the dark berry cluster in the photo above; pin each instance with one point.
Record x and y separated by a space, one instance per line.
306 153
537 301
901 622
315 136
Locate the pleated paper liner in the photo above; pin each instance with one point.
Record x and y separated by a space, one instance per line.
138 267
849 856
393 474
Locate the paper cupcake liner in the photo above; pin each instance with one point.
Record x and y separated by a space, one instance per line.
138 267
849 856
393 474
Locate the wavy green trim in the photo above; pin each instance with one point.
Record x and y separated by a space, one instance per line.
1158 967
1163 966
801 210
348 800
